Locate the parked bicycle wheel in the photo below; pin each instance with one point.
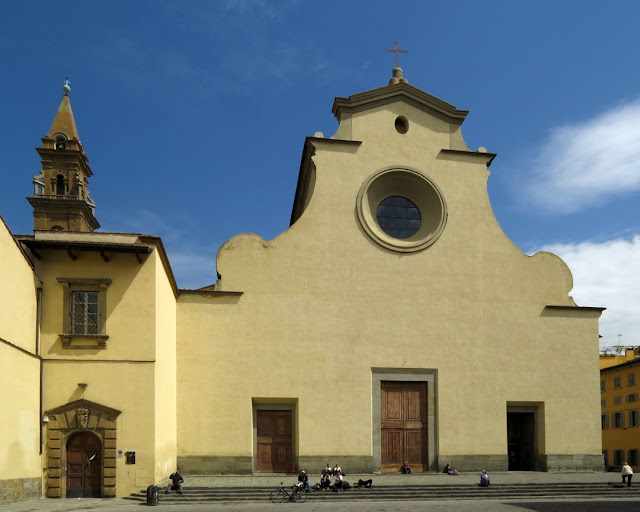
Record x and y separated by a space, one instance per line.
299 496
277 496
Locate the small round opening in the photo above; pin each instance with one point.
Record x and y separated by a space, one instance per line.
402 125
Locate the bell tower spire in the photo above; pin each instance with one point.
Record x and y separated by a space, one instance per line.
61 199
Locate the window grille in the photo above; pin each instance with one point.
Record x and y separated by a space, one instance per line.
84 313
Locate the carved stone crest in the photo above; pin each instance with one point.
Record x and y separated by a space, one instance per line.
82 417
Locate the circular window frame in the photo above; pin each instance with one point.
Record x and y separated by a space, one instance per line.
415 186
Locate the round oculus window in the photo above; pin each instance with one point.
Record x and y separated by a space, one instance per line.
398 217
401 209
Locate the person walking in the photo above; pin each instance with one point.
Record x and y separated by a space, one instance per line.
627 473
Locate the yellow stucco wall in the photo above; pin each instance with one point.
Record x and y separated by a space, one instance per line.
165 375
19 366
323 304
130 305
20 428
17 295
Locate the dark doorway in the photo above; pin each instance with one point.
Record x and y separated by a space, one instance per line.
84 466
521 434
274 441
403 429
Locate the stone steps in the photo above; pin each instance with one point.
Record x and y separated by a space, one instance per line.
408 493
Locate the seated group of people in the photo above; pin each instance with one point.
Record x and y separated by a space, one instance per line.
338 483
330 478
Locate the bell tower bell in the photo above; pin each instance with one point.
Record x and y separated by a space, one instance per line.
61 199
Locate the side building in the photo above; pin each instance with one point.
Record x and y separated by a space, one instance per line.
620 415
20 373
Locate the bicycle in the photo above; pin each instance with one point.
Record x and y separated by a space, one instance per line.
297 494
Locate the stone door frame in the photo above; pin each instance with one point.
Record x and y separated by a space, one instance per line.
268 405
401 375
69 419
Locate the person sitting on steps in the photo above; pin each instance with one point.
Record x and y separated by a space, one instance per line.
176 482
325 478
304 480
449 469
405 469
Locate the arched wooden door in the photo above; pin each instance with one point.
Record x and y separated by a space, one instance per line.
84 466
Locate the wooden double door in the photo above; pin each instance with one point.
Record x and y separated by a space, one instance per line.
404 425
275 447
84 466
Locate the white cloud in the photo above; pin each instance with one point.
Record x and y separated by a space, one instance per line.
608 275
587 163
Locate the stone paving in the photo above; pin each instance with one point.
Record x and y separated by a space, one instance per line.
273 481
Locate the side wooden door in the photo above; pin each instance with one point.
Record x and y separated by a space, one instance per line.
84 466
404 425
274 441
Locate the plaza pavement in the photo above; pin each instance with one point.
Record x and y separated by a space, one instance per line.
273 481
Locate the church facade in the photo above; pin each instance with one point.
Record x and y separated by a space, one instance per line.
393 321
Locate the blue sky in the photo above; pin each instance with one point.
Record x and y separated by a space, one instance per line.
194 114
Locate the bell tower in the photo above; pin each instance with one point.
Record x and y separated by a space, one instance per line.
61 199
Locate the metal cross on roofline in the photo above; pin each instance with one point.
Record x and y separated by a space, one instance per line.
397 50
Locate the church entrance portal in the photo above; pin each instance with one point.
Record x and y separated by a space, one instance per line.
404 425
84 466
274 441
521 433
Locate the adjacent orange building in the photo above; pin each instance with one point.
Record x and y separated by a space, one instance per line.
619 375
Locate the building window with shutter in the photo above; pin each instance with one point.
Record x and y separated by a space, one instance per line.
618 420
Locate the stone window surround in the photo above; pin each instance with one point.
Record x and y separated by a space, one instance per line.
413 185
63 423
69 285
